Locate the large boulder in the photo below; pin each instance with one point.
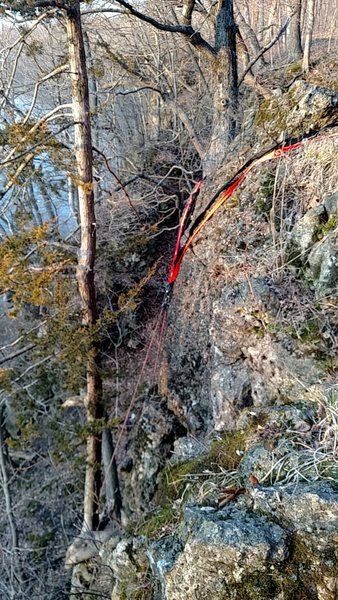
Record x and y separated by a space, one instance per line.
304 108
219 550
276 543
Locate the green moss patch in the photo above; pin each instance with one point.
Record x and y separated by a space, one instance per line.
225 454
162 518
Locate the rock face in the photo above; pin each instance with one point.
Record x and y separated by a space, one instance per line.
276 543
304 108
129 566
313 106
313 246
271 544
249 384
250 366
323 266
218 551
153 442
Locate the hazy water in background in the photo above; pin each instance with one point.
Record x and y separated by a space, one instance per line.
52 204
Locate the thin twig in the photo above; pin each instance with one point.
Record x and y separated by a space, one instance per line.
118 180
265 49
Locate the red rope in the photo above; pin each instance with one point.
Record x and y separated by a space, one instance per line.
159 320
225 194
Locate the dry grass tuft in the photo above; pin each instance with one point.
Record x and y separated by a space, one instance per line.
315 460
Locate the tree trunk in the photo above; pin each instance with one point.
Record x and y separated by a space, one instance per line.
293 40
310 18
112 486
250 39
86 260
261 11
92 89
226 93
73 201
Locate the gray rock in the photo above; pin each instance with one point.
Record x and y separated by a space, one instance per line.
129 565
305 508
295 418
331 205
312 247
249 367
322 266
312 106
304 235
304 108
156 430
162 556
186 448
230 391
219 549
283 546
268 465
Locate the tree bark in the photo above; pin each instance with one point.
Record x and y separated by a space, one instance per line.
293 40
310 18
86 259
112 486
93 90
226 92
249 38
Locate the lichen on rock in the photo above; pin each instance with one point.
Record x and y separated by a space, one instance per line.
313 247
218 551
303 108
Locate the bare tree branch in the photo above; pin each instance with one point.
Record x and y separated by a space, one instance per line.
140 89
118 180
21 337
55 71
187 10
16 354
193 36
20 40
265 49
166 97
94 11
5 487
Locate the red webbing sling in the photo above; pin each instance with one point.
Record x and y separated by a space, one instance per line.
224 193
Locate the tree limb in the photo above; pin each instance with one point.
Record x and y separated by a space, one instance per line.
118 180
193 36
265 49
21 337
20 40
55 71
17 353
187 10
5 487
94 11
140 89
166 97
